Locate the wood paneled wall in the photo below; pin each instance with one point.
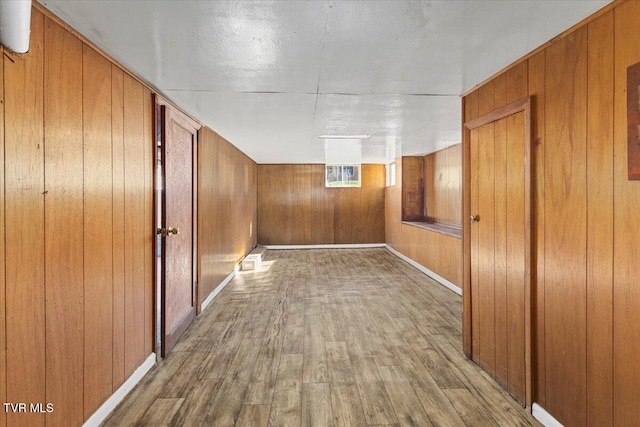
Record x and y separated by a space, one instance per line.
413 196
586 233
443 185
439 252
76 259
295 207
227 204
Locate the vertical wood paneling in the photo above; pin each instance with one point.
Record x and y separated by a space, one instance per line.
98 231
503 328
565 211
134 223
443 185
227 189
516 83
148 138
486 254
536 77
118 196
3 336
486 98
515 252
412 188
24 226
474 191
294 207
600 223
63 224
626 292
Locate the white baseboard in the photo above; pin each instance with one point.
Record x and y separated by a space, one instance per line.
217 290
107 407
329 246
444 282
544 417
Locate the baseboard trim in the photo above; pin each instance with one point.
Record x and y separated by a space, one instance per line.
329 246
444 282
544 417
107 407
217 290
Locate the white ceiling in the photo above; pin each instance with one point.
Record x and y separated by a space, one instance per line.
270 76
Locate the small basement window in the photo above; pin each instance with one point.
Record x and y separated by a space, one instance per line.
337 176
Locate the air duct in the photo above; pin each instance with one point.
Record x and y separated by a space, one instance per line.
15 24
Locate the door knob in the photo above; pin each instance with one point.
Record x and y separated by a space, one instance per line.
474 218
167 231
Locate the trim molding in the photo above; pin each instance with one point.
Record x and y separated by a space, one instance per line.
107 407
444 282
329 246
544 417
217 290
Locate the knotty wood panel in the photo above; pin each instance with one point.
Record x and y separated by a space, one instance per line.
565 212
600 223
293 204
98 231
63 167
413 188
227 192
24 226
443 185
118 200
3 336
134 223
626 292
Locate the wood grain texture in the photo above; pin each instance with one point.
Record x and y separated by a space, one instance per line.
565 220
134 223
600 222
63 168
413 188
227 201
98 231
626 293
149 145
294 207
379 374
118 239
443 186
537 91
3 331
24 225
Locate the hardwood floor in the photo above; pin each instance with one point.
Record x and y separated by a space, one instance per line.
323 337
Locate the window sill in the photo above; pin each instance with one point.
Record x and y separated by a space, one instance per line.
446 229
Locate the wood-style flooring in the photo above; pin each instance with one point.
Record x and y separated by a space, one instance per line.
324 338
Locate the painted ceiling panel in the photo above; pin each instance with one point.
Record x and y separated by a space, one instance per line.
270 76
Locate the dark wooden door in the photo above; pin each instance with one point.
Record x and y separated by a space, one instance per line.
179 290
499 240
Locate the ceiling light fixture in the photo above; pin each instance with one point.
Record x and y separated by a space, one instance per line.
344 136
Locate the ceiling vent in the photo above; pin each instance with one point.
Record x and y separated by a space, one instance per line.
15 24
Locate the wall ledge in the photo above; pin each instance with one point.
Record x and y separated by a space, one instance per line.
540 414
112 402
441 280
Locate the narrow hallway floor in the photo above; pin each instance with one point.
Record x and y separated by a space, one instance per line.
323 337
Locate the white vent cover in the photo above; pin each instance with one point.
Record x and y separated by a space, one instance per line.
15 24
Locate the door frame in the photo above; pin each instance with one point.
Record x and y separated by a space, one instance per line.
521 105
163 109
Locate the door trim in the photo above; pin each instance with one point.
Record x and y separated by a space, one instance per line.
521 105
